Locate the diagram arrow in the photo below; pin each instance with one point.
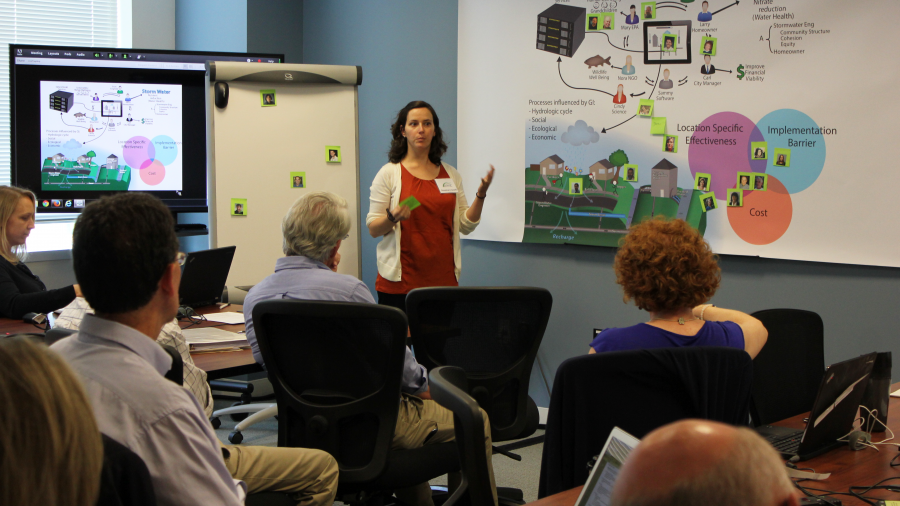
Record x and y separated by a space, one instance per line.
101 133
615 46
684 80
559 68
723 70
613 66
639 94
64 122
676 6
682 83
727 6
622 123
658 70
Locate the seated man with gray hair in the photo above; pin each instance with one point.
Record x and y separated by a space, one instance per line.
313 229
703 462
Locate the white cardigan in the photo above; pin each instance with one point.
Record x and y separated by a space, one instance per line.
385 194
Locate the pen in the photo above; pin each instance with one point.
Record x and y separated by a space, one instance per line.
223 306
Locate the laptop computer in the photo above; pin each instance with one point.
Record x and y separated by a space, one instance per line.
832 415
203 276
598 489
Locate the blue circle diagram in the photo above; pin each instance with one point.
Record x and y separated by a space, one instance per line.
165 149
788 129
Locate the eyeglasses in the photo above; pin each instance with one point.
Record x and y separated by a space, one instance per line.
180 258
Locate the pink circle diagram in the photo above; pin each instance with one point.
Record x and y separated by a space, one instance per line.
152 172
138 150
720 147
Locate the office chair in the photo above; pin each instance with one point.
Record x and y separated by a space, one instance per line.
175 374
258 411
637 391
336 369
789 368
124 477
57 333
493 333
449 388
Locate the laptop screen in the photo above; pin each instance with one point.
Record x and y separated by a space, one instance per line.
598 489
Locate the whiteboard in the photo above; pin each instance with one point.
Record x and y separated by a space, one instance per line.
804 75
253 150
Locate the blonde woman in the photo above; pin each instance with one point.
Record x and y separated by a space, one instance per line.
21 291
50 448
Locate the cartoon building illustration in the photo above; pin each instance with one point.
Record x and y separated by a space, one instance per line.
112 162
603 170
664 179
552 166
83 160
58 158
62 101
560 29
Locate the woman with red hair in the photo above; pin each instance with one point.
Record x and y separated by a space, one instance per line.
668 269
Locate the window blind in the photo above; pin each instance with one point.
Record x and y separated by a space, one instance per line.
89 23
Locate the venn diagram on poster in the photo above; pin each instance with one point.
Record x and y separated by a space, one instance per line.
765 215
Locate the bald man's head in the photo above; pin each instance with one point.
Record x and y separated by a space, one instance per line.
696 462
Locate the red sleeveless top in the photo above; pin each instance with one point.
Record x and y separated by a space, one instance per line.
426 238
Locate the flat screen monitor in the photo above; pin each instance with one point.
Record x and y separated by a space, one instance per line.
89 122
667 42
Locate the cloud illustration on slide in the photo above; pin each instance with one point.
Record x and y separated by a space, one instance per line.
580 133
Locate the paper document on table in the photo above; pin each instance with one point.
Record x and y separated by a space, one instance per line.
230 318
895 393
210 338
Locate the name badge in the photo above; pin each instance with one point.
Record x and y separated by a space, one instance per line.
446 185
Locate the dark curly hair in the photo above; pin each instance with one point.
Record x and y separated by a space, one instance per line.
399 145
666 265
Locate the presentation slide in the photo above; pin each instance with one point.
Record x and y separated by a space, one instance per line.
110 136
765 124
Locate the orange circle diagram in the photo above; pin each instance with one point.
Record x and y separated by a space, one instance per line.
765 215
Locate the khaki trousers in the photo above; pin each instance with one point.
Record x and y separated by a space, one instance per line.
416 421
309 476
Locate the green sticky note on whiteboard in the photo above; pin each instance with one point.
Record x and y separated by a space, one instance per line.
410 202
658 126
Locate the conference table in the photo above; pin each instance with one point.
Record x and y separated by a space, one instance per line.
217 365
848 468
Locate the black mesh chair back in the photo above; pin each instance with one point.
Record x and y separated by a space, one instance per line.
493 333
336 370
637 391
55 334
449 389
124 478
176 372
790 366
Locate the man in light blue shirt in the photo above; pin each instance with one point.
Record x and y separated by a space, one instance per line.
125 255
313 229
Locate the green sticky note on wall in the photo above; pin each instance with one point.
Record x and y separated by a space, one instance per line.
410 202
658 126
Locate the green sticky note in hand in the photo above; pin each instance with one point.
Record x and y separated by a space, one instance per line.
410 202
658 126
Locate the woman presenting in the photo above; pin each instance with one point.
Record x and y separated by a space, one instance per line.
420 247
21 291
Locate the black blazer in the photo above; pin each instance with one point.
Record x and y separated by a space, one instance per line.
22 292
